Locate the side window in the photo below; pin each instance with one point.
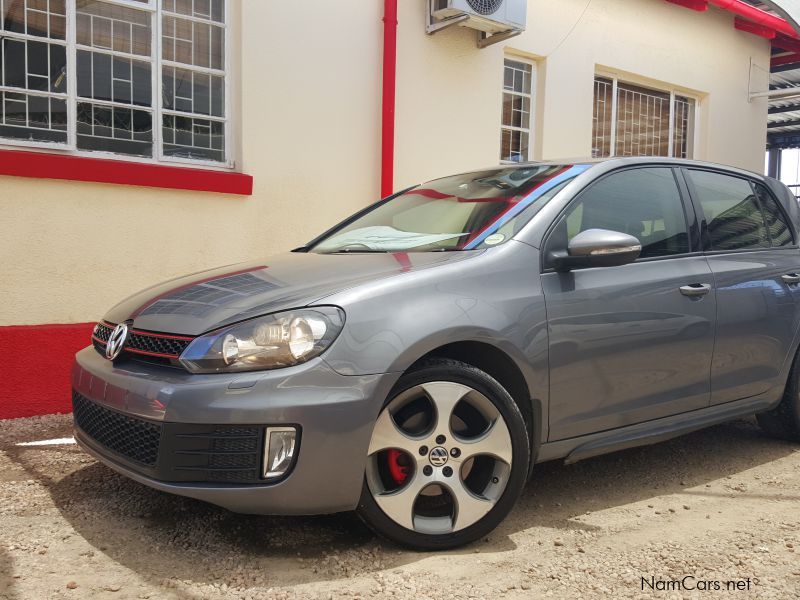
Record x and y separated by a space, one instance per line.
779 231
733 217
644 203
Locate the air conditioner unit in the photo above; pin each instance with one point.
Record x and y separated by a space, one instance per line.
489 16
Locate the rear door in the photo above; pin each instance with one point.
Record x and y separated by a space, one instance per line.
630 343
756 266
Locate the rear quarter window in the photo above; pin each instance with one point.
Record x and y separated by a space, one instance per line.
777 224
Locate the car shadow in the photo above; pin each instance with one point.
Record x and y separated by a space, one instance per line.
559 495
7 581
160 536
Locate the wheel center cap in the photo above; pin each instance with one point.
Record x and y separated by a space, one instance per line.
438 456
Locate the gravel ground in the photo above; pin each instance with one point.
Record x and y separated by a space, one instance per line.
719 505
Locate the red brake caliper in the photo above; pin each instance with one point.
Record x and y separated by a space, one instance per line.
397 469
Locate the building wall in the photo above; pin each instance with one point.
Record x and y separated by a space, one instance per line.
449 93
307 102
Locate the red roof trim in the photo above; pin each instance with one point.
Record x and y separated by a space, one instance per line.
748 26
698 5
39 165
749 18
785 59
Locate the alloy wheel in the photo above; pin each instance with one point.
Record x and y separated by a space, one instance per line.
439 458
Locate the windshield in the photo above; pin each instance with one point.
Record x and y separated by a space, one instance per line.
463 212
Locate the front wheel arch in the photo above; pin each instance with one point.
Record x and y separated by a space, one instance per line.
505 370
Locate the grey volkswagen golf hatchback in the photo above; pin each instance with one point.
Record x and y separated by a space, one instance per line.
417 360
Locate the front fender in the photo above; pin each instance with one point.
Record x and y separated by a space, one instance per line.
496 300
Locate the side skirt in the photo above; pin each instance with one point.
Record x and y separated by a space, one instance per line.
579 448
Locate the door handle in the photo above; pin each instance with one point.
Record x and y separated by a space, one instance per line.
791 278
693 290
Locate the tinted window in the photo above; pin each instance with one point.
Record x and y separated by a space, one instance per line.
733 216
777 225
644 203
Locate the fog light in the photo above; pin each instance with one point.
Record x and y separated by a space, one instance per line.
279 451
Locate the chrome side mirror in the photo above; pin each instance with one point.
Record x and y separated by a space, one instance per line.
597 248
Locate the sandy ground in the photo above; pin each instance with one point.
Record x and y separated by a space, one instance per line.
722 505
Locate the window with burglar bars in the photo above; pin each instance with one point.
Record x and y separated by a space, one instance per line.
630 120
137 78
517 111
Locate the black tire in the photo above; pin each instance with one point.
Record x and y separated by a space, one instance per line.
440 369
783 422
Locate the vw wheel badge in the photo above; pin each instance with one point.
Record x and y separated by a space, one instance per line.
116 341
438 456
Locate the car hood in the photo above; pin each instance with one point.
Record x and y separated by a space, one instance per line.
198 303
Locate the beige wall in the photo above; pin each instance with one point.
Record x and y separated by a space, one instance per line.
307 92
450 92
309 102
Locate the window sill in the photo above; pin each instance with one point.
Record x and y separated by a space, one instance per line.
39 165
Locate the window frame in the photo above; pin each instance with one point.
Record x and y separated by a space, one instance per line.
755 184
673 92
531 97
689 215
26 37
702 220
156 11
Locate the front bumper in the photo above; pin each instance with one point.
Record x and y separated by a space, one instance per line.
334 413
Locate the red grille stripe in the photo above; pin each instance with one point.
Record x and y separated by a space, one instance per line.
161 335
146 353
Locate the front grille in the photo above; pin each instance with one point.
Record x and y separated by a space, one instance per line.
230 453
102 332
243 444
134 439
143 343
175 452
156 344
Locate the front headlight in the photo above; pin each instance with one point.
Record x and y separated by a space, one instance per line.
271 342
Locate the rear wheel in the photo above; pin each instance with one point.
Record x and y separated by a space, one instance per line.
784 420
447 460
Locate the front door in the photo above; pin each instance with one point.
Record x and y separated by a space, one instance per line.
631 343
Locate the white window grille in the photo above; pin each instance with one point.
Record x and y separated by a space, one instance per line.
517 110
145 79
631 120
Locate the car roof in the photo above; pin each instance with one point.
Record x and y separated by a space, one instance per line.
616 162
601 165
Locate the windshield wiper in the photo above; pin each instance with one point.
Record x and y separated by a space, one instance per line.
358 251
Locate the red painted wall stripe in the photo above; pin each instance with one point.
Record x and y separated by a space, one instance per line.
36 367
39 165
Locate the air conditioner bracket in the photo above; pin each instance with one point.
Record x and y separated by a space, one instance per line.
485 40
432 26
